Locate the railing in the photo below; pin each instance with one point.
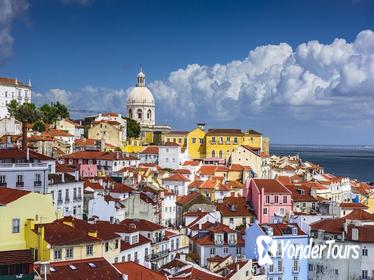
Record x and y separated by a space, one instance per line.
59 202
3 184
20 184
37 183
158 255
22 165
296 269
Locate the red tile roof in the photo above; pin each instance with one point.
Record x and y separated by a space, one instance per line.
136 271
142 240
183 200
170 144
8 195
195 184
99 155
20 154
191 163
142 225
182 171
95 268
207 170
352 205
359 214
57 132
92 185
281 229
271 186
16 257
12 82
176 177
151 150
365 233
234 207
64 168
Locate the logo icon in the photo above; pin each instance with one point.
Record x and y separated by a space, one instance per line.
265 245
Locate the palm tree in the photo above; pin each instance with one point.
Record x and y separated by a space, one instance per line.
25 113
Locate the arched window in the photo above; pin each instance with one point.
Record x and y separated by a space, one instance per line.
130 114
149 114
220 154
213 154
139 112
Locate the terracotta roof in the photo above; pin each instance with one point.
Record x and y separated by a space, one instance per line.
182 171
359 214
92 185
15 154
176 177
95 268
16 257
191 163
281 229
183 200
365 233
352 205
57 132
297 195
121 188
136 271
151 150
234 207
85 142
142 225
171 133
285 180
12 82
142 240
271 186
64 168
224 131
195 184
8 195
234 185
111 122
60 234
36 138
207 170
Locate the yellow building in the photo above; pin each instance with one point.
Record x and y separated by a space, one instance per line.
69 239
216 143
111 132
16 207
196 142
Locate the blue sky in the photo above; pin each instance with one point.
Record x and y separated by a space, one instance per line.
87 53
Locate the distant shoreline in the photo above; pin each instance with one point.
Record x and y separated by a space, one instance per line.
321 147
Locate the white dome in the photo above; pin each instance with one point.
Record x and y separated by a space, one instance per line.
140 95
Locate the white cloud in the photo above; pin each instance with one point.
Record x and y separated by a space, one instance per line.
9 11
314 75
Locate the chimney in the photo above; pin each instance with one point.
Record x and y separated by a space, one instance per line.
76 175
201 126
200 226
237 267
63 177
28 154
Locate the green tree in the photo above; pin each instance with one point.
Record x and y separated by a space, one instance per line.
54 112
25 113
39 125
133 128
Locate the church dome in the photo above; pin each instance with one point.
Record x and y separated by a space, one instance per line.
140 94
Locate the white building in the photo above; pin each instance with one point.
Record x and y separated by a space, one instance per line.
177 184
67 194
25 170
106 208
12 89
169 155
168 209
140 103
10 126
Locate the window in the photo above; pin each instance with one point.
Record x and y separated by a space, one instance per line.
129 257
280 265
37 178
135 256
364 274
116 244
69 253
267 199
146 252
276 199
228 140
213 251
265 211
174 140
19 179
231 220
235 140
130 114
89 250
364 252
106 246
149 114
15 225
193 140
213 153
57 254
271 268
213 139
225 250
139 112
67 196
201 140
220 154
284 199
296 265
2 180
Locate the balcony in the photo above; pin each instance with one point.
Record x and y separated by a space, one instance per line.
159 255
296 269
232 242
219 242
59 202
67 201
20 184
37 183
3 184
23 166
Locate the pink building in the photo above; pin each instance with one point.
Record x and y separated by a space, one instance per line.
88 170
270 199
